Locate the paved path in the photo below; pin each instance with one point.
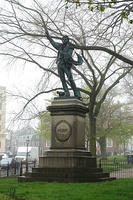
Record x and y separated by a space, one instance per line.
123 173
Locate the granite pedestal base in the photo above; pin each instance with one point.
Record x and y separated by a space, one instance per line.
67 160
66 166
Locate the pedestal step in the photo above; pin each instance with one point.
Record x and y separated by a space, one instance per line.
66 170
66 175
64 180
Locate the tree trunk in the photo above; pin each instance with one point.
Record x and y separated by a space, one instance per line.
93 135
102 142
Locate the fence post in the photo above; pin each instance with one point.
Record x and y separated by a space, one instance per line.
21 168
100 163
15 168
8 166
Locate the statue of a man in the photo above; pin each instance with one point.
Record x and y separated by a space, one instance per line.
65 62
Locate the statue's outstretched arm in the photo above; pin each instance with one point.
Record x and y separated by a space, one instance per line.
54 44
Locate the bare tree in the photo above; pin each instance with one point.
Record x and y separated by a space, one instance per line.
106 61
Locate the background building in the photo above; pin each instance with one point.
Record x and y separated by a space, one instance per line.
15 139
2 119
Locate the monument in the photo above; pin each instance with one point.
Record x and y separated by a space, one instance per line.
67 160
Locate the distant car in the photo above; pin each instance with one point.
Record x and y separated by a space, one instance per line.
5 156
8 163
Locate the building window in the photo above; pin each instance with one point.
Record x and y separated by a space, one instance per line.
37 143
33 143
109 142
37 136
48 142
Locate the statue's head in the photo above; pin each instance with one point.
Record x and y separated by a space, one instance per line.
65 39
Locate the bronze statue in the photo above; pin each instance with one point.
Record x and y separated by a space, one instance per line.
65 62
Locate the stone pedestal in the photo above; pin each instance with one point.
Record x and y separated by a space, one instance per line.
68 124
67 160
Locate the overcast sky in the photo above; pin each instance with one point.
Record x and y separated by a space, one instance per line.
23 80
15 77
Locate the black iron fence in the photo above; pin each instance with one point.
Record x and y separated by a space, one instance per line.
11 171
117 169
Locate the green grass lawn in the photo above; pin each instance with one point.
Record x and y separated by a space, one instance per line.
119 158
120 189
